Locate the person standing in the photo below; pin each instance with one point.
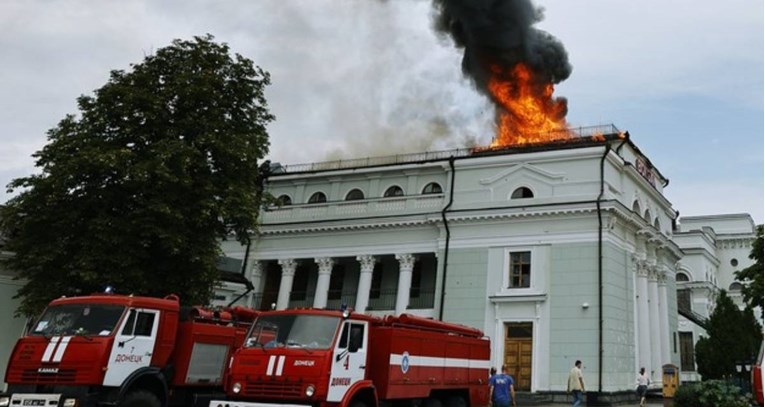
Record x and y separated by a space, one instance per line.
502 389
576 383
642 385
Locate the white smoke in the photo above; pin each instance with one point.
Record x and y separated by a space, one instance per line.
365 78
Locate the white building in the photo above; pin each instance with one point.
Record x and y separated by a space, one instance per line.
558 252
714 248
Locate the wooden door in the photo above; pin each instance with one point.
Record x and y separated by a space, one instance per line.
518 353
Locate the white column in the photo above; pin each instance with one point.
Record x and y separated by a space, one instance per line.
654 318
255 275
285 285
322 283
367 264
644 335
664 316
405 267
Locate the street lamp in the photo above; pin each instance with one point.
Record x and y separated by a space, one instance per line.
743 366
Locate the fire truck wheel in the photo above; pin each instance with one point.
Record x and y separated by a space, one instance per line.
456 401
358 403
140 398
432 402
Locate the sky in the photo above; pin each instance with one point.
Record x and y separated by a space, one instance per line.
358 78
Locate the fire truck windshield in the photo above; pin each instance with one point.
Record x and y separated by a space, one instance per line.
293 331
79 319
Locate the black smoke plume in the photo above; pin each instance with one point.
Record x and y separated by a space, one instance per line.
500 34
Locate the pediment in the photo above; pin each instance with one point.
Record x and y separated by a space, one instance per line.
552 176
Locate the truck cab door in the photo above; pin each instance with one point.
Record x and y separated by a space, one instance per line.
133 345
349 359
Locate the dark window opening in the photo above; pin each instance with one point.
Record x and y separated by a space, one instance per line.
432 188
284 200
144 324
393 191
336 282
376 287
522 193
300 284
317 197
354 195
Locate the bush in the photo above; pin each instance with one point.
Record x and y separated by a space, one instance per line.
711 393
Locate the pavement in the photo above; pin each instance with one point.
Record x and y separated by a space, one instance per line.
650 403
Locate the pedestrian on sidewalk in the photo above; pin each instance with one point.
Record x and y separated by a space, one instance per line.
576 383
642 385
502 389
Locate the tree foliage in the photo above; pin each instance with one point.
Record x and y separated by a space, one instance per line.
136 191
733 335
751 277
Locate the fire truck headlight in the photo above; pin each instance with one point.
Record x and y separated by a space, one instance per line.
5 401
236 388
70 402
310 390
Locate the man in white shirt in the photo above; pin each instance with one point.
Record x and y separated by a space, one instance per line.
576 383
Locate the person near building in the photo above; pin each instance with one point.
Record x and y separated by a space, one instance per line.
576 383
642 385
502 389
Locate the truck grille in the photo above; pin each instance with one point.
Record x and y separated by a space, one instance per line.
63 376
269 389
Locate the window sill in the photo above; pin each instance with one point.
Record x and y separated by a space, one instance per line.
523 296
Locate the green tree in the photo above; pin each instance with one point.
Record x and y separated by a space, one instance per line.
751 277
732 335
138 189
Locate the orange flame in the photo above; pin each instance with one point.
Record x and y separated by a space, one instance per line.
528 113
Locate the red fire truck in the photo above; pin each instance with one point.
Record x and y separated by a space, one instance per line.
123 351
308 357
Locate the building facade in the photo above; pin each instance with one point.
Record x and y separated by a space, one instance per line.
714 248
557 252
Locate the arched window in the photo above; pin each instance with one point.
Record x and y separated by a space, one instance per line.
284 200
317 197
735 286
636 207
354 195
522 193
647 216
432 188
393 191
682 277
656 224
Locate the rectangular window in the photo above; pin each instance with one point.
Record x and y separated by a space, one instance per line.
144 324
300 284
374 290
520 270
687 362
336 282
414 290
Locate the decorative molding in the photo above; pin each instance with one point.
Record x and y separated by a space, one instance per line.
288 267
523 166
499 299
406 261
325 264
367 263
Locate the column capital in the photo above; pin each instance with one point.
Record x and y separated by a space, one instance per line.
288 266
256 269
367 263
406 261
325 264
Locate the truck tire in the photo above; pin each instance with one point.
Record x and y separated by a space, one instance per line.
456 401
140 398
358 403
432 402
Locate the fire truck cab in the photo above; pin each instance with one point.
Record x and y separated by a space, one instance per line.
309 357
124 351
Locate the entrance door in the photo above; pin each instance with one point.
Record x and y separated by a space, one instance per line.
518 352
